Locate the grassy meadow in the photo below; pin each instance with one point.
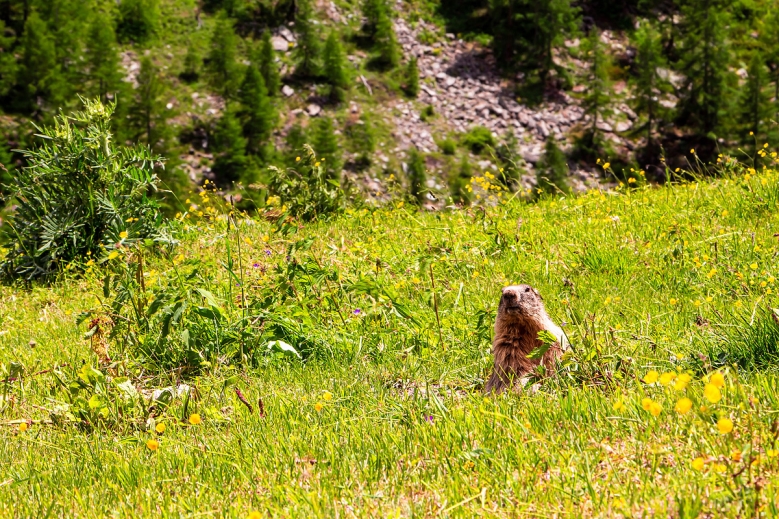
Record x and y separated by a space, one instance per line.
667 405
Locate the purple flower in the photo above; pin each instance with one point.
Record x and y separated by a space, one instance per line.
256 265
357 311
429 418
267 252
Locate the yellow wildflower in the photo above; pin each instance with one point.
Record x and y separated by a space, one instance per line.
666 378
153 445
651 377
646 403
123 235
113 255
618 405
318 406
655 409
717 379
698 463
681 382
160 428
725 425
327 396
712 393
194 419
735 455
23 427
683 406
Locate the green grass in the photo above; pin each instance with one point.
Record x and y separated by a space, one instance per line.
673 279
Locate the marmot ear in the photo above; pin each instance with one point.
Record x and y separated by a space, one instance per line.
538 294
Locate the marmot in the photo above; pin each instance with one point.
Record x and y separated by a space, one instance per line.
521 315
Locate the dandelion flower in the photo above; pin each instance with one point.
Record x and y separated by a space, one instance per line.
712 393
160 428
655 409
651 377
318 406
681 382
194 419
717 379
123 235
646 403
23 426
327 396
673 301
698 463
753 266
153 445
666 378
683 406
725 425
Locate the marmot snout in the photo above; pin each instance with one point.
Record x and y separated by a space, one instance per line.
521 315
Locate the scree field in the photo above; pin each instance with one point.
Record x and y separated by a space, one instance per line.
372 404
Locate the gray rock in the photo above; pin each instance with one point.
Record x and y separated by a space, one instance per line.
279 44
287 90
313 109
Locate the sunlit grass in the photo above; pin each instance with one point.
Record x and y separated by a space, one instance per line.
662 291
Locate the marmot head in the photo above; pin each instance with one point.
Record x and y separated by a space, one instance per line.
521 301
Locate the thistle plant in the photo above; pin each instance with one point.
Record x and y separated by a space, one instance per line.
80 198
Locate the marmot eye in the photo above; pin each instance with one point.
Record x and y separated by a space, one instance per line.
527 289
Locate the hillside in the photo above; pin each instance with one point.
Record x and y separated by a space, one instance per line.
666 405
497 84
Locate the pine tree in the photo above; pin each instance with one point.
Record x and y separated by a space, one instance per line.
552 172
648 86
412 77
755 109
417 176
103 57
222 58
259 115
39 73
268 67
705 58
325 144
334 68
529 31
388 50
192 65
372 10
362 140
296 138
138 20
460 183
8 65
307 50
146 118
598 97
230 159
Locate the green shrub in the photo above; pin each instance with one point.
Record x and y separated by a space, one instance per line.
552 172
80 197
412 78
427 113
478 139
306 190
138 19
460 183
448 146
417 176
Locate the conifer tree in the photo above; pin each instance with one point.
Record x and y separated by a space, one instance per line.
325 144
259 115
192 65
307 50
388 50
648 86
230 159
362 139
412 77
529 30
460 182
138 20
334 68
372 10
705 58
296 138
222 58
39 73
598 97
268 66
552 172
417 176
146 118
103 57
754 106
8 65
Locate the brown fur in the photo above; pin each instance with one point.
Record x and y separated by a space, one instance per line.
521 315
